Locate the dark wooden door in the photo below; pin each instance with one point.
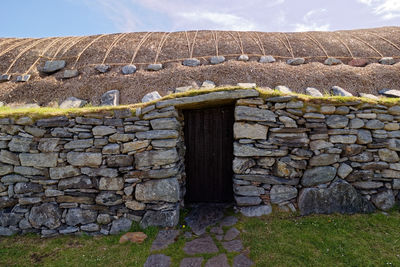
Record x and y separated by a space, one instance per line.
209 154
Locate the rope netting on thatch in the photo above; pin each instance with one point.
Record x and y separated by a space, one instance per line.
22 55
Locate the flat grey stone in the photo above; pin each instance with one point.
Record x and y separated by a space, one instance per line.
53 66
154 67
47 214
191 62
203 216
318 175
332 61
242 261
371 96
233 246
256 211
39 160
156 158
151 96
337 121
339 197
267 59
243 58
208 84
254 114
282 193
120 225
207 97
217 230
183 89
231 234
295 61
129 69
110 98
384 200
73 102
200 245
102 68
158 260
391 93
160 218
191 262
218 261
68 74
338 91
387 61
313 92
8 231
247 201
283 89
217 59
5 78
164 239
23 78
228 221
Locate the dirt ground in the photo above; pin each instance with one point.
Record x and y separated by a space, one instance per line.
20 56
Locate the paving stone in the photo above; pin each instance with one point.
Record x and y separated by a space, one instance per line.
217 230
228 221
231 234
256 211
218 261
191 262
233 246
164 239
203 216
200 245
242 261
158 260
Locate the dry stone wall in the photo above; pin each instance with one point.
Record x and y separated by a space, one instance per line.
318 158
93 174
99 172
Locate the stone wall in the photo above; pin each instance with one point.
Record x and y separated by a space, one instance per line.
99 172
318 158
94 173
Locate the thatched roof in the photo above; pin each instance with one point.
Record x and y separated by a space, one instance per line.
21 56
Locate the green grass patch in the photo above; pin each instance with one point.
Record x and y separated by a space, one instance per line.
42 112
280 239
323 240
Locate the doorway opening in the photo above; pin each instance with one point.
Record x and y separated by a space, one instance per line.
209 154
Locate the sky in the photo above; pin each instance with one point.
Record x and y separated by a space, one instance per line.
43 18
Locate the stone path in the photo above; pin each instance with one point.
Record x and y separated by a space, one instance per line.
201 241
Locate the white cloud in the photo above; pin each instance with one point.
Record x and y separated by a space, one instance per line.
386 9
221 21
118 12
313 20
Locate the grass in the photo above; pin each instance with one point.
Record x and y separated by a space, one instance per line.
42 112
324 240
280 239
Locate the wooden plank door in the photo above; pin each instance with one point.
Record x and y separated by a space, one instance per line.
209 154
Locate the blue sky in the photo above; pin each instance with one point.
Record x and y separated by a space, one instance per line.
42 18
